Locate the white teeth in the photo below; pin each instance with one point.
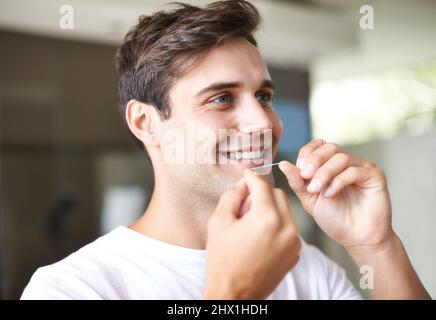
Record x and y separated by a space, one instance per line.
256 154
246 155
235 155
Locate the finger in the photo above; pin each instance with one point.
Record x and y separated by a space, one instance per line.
260 191
317 158
306 150
246 205
282 203
230 203
362 177
292 173
331 168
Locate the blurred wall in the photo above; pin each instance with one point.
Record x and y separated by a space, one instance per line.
58 114
403 33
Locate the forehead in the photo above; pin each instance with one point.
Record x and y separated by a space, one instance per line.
236 60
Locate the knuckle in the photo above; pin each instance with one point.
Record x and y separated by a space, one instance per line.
298 243
324 173
322 176
309 147
372 163
337 182
315 160
342 157
333 147
290 234
294 250
318 141
353 171
369 163
271 222
380 172
304 152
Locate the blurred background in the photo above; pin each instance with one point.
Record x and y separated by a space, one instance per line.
69 171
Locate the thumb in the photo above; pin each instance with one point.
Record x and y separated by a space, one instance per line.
292 173
231 201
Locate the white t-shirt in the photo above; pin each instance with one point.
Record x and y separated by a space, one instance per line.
125 264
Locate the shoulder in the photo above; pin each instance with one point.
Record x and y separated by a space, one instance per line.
85 274
54 283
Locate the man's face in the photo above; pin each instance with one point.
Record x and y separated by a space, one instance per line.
229 91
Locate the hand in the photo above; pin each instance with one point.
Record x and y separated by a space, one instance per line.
248 256
347 196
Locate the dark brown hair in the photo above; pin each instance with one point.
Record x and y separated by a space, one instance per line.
155 51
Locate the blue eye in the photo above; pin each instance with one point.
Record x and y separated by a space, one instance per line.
265 97
224 99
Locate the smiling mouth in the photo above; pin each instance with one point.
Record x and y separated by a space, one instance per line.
250 158
244 155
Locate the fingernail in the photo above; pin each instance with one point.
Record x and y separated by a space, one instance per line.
307 170
300 163
314 185
328 192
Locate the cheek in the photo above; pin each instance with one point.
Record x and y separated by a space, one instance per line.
215 123
207 135
277 127
215 120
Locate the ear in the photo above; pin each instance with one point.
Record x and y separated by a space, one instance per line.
142 120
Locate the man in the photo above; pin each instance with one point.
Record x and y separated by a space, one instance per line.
216 229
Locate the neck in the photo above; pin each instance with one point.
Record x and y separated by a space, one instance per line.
176 216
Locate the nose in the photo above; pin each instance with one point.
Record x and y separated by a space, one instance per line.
254 118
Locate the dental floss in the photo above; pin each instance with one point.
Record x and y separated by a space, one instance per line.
255 169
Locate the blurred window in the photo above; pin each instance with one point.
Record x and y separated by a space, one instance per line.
373 106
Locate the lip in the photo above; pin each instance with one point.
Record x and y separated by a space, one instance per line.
248 163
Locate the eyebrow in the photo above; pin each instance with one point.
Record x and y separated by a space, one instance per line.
226 85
